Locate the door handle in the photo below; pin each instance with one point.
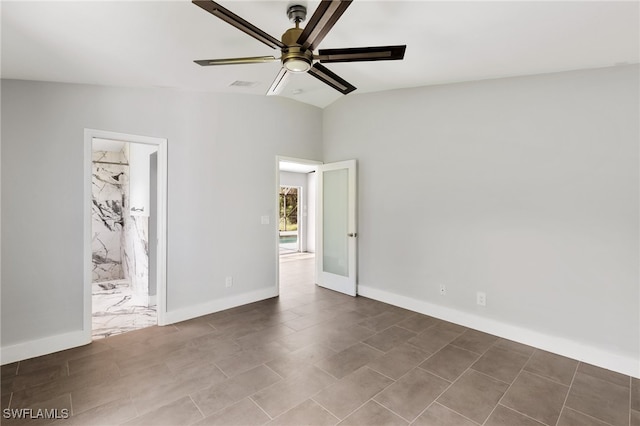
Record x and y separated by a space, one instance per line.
352 234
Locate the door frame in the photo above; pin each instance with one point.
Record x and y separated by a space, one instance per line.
161 268
276 210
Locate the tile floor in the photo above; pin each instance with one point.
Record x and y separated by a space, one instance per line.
115 312
315 357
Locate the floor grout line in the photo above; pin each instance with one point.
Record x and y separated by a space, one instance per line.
509 387
548 378
260 407
564 403
197 407
323 407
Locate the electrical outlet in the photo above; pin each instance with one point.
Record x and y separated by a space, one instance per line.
481 298
228 281
443 290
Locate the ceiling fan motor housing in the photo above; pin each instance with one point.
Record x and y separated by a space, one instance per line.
294 57
297 13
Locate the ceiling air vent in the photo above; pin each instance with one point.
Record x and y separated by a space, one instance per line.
240 83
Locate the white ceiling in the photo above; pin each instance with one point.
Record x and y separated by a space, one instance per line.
153 43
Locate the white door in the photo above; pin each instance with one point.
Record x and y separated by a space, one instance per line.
336 225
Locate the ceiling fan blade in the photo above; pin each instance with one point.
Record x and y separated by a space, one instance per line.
235 61
279 83
357 54
233 19
327 76
323 19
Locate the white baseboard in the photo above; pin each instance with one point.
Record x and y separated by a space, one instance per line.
219 305
624 364
44 346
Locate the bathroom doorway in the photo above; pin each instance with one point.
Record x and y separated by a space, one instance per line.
125 238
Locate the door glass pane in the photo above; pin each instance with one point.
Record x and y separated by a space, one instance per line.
335 215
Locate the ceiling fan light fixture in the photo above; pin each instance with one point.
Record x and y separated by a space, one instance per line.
296 65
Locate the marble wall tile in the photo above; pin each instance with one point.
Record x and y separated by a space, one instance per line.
120 246
108 182
109 157
136 253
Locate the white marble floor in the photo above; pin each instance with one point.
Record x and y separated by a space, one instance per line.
115 312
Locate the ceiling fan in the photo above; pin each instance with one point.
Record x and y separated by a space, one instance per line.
297 45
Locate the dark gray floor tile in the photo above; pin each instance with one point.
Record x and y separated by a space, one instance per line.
501 363
450 362
412 393
474 395
293 390
37 377
307 413
339 338
600 398
115 412
433 339
6 398
571 417
555 367
439 415
503 416
384 320
246 359
449 326
389 338
536 397
510 345
224 394
242 413
350 392
182 411
294 361
635 394
8 370
349 360
398 361
475 341
373 414
417 323
98 395
604 374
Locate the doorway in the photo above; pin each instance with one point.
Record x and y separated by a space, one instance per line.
290 225
125 237
296 228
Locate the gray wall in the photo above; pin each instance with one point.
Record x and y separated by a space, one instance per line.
525 188
221 181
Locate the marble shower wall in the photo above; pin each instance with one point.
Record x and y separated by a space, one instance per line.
109 184
136 253
120 236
